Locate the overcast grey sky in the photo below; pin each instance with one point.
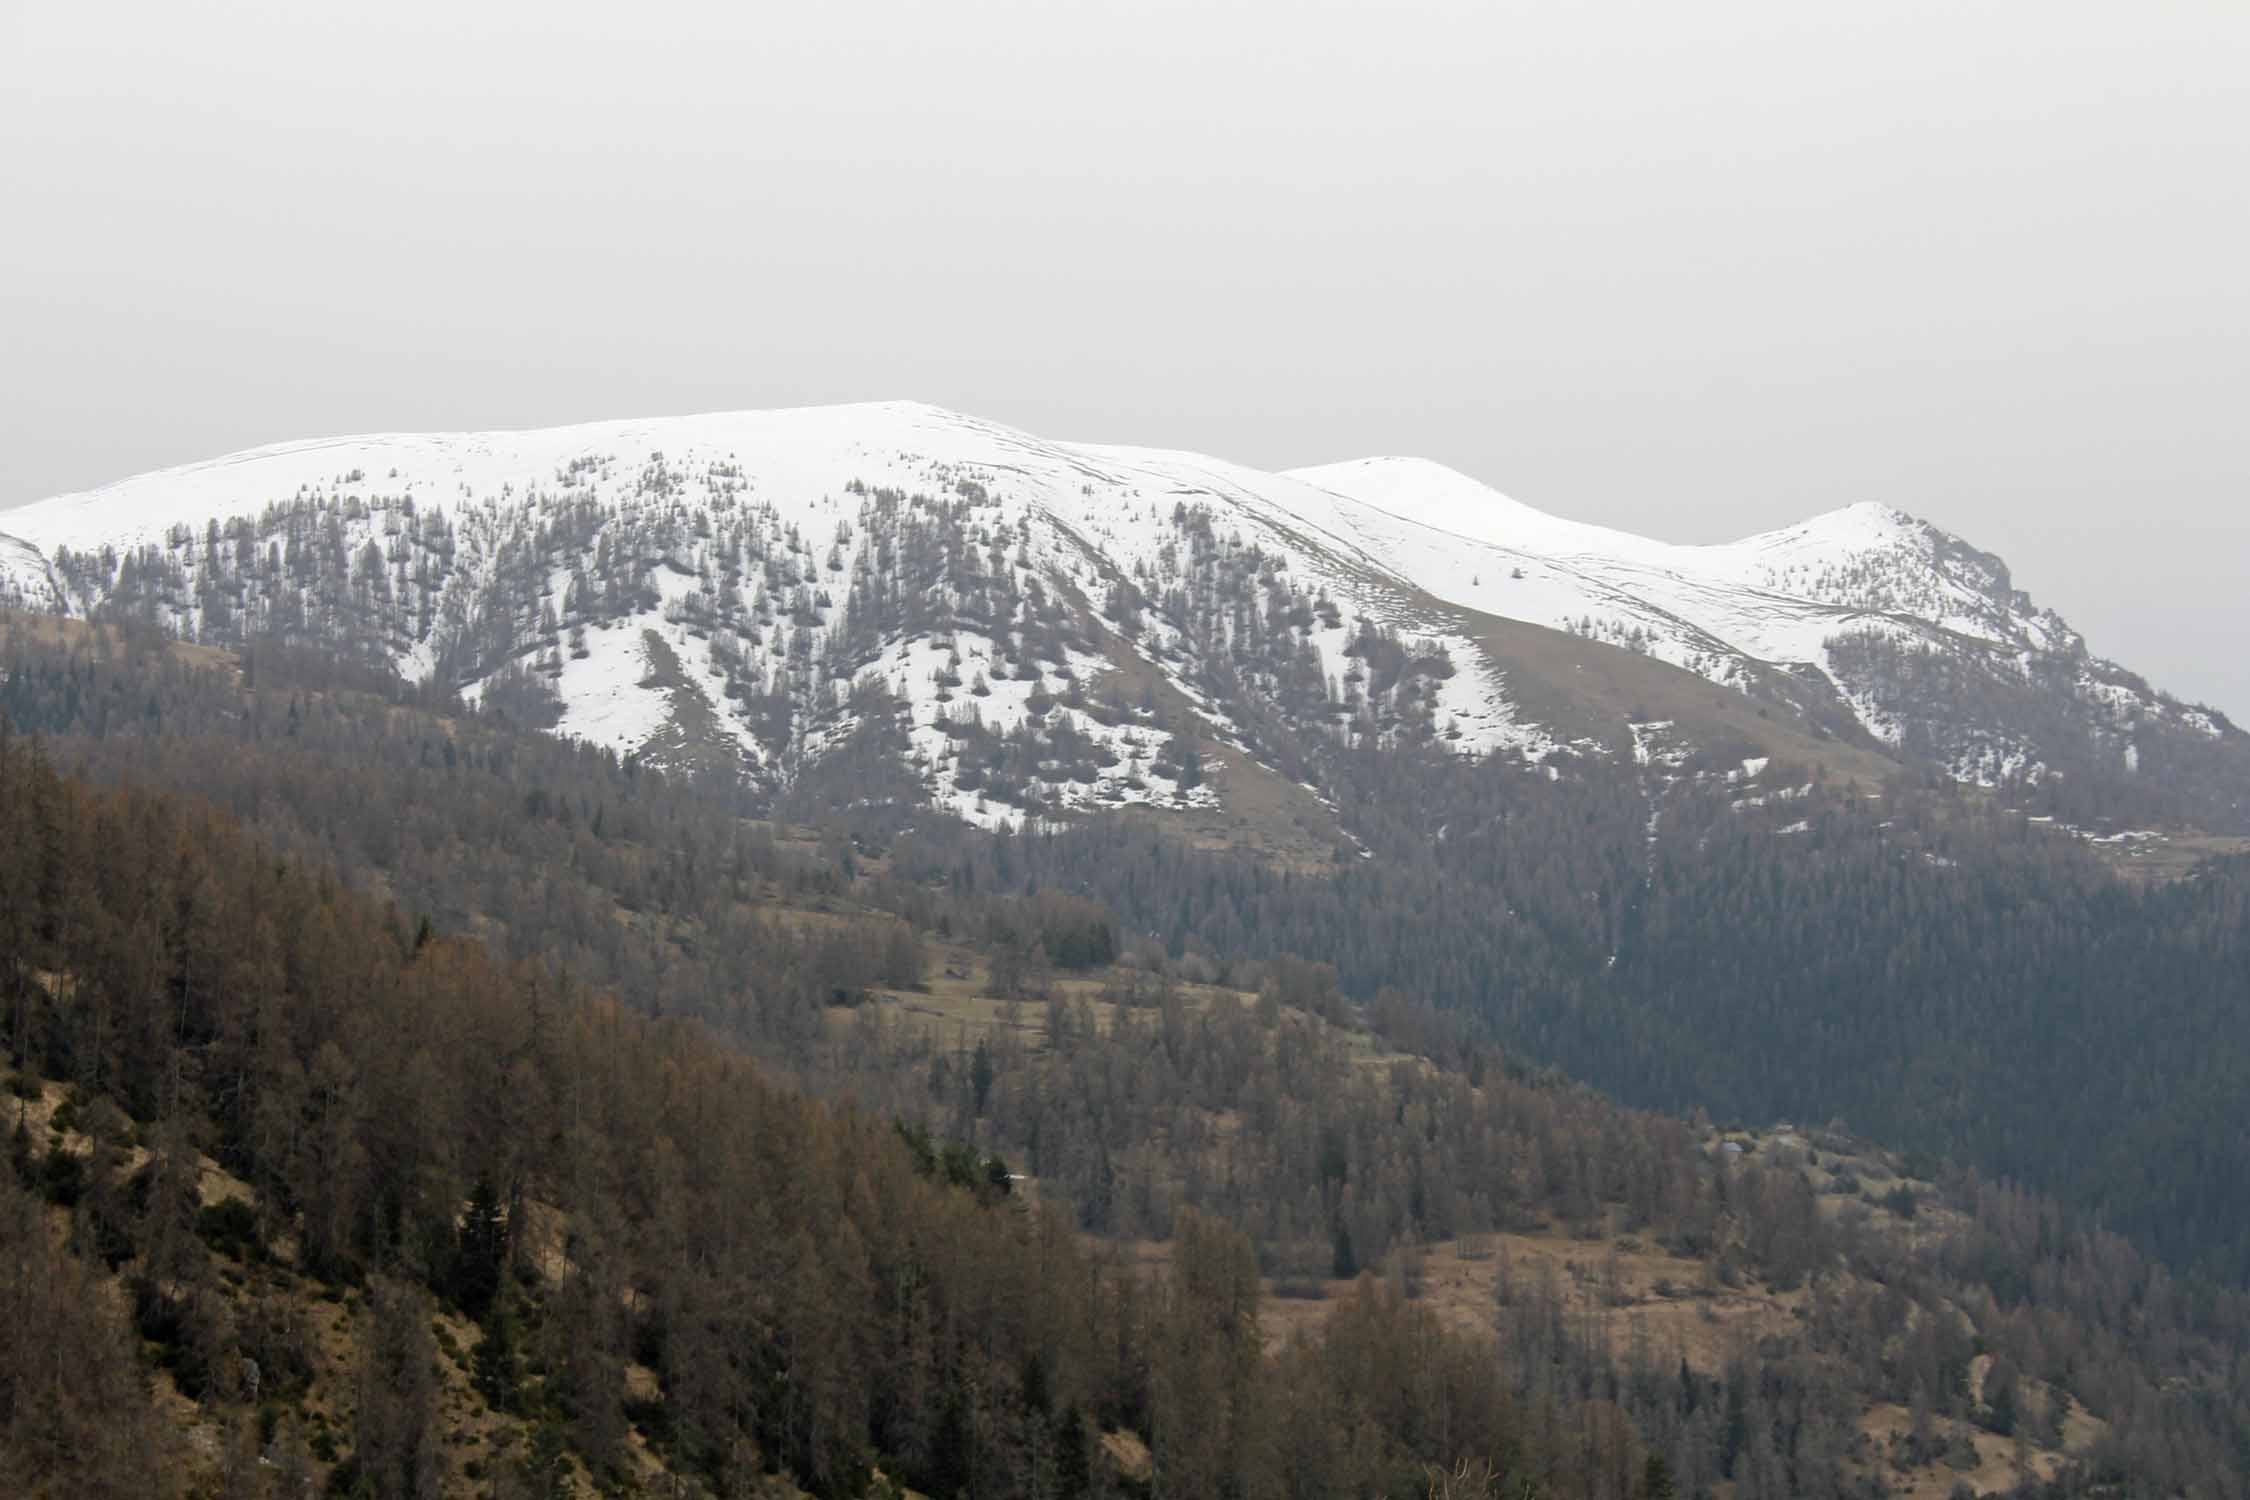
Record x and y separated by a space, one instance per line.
1691 269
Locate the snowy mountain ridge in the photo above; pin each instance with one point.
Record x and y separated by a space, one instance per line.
760 586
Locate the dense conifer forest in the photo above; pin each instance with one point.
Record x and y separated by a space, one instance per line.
465 1011
1931 967
1927 964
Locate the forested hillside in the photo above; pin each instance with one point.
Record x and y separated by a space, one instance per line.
1924 964
737 1283
802 1289
1931 967
683 1239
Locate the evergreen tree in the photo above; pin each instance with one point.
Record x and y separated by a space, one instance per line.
498 1362
480 1252
20 1159
1074 1469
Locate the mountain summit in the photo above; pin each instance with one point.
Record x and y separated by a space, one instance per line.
1036 626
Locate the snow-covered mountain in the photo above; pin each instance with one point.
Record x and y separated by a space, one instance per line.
1845 603
1034 625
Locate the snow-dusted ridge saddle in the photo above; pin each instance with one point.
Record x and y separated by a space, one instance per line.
760 586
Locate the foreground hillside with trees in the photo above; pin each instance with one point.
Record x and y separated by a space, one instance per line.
381 1111
1932 966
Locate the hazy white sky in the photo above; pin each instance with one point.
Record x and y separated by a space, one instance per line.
1691 269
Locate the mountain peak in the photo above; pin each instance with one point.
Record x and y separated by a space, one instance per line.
760 567
1420 484
1865 519
1431 494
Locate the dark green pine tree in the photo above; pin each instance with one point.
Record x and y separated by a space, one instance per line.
545 1469
480 1251
1737 1431
981 1073
1343 1263
2000 1397
952 1459
498 1362
19 1154
1074 1469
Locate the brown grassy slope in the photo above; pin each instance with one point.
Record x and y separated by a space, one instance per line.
69 634
1588 690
